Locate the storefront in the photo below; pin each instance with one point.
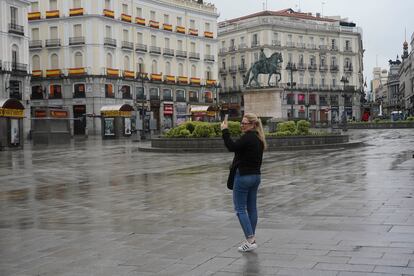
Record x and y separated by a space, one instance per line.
50 125
116 121
11 123
205 113
168 116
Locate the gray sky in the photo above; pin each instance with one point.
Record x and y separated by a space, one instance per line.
382 21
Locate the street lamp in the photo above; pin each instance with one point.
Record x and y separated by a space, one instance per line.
292 67
344 80
141 76
217 86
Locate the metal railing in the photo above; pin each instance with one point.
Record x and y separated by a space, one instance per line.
77 40
127 45
194 55
168 52
182 54
155 50
110 42
139 47
209 58
53 42
35 44
233 69
16 29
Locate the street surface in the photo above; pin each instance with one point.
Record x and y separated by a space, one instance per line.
103 208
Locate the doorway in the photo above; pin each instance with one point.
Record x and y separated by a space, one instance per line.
79 124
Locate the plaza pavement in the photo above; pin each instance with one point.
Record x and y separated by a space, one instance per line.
103 208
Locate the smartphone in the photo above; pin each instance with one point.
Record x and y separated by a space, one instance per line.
226 117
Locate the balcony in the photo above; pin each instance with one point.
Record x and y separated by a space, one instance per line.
80 71
110 72
209 58
155 50
128 74
52 14
140 21
233 69
126 18
110 42
180 99
154 24
50 43
18 67
195 56
223 71
52 73
168 52
323 47
301 66
301 45
290 44
276 43
211 83
312 67
348 68
222 50
109 13
255 44
16 29
312 46
242 46
77 40
181 54
334 48
139 47
232 48
193 32
126 45
208 34
348 49
34 16
169 79
242 68
37 73
180 29
167 27
76 12
35 44
323 68
334 68
195 81
182 80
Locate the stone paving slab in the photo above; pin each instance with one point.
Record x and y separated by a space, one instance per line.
104 208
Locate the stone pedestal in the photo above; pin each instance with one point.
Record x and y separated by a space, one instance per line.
265 102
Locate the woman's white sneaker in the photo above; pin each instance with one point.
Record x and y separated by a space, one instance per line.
247 246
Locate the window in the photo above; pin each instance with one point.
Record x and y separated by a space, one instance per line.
54 61
255 39
208 73
193 47
125 8
180 95
312 99
334 100
333 61
167 94
140 38
192 23
333 82
77 4
167 42
53 5
179 21
168 68
312 81
55 91
109 91
208 97
78 60
193 71
152 15
35 6
35 34
79 90
141 67
154 93
180 69
290 98
208 49
140 93
180 45
333 44
108 60
193 96
13 15
347 45
223 64
166 19
323 100
207 27
139 12
127 65
301 99
126 92
234 82
290 57
36 62
126 35
108 31
108 4
323 82
77 30
37 92
153 40
154 67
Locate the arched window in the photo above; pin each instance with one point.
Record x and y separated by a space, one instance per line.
180 69
193 71
140 65
168 68
15 54
108 60
54 61
126 63
36 62
154 67
78 60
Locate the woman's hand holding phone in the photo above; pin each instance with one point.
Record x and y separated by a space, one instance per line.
224 124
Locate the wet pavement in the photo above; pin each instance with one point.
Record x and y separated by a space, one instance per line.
103 208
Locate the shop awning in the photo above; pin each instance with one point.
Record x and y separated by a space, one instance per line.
118 110
11 108
202 108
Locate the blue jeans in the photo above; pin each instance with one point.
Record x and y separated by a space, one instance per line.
244 199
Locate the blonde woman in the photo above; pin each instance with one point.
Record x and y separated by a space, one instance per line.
248 154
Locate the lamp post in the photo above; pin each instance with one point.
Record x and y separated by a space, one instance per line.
141 76
307 105
292 67
217 86
344 80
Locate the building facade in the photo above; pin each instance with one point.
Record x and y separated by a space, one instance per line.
323 56
406 78
159 56
14 53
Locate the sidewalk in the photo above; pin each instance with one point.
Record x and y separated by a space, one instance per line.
104 208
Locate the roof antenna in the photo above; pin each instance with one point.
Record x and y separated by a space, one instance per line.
323 3
299 5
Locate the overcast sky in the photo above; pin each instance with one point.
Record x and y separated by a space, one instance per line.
383 22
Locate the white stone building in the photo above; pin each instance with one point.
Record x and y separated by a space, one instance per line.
88 54
14 52
406 78
326 53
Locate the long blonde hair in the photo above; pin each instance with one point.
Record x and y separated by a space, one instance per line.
257 123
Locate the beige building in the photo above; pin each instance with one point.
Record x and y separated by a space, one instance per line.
160 56
378 82
406 78
14 53
325 53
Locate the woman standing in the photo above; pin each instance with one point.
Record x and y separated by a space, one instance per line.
248 153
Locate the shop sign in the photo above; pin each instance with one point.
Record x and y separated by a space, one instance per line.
40 114
116 113
168 109
13 113
59 113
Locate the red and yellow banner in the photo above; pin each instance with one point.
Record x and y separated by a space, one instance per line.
167 27
77 71
156 77
180 29
37 73
182 80
76 12
108 13
170 79
129 74
126 17
115 113
193 32
154 24
208 34
140 21
13 113
195 81
52 14
211 82
112 72
34 15
53 73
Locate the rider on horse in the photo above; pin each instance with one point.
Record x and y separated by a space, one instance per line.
263 59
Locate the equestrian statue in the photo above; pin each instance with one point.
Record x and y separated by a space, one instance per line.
264 65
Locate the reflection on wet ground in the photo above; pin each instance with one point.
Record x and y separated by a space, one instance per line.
103 208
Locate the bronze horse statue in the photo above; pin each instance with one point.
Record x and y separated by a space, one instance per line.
270 66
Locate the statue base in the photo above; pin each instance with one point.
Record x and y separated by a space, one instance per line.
264 102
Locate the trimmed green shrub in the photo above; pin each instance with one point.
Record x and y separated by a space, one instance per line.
234 128
302 127
205 130
289 126
184 133
411 118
